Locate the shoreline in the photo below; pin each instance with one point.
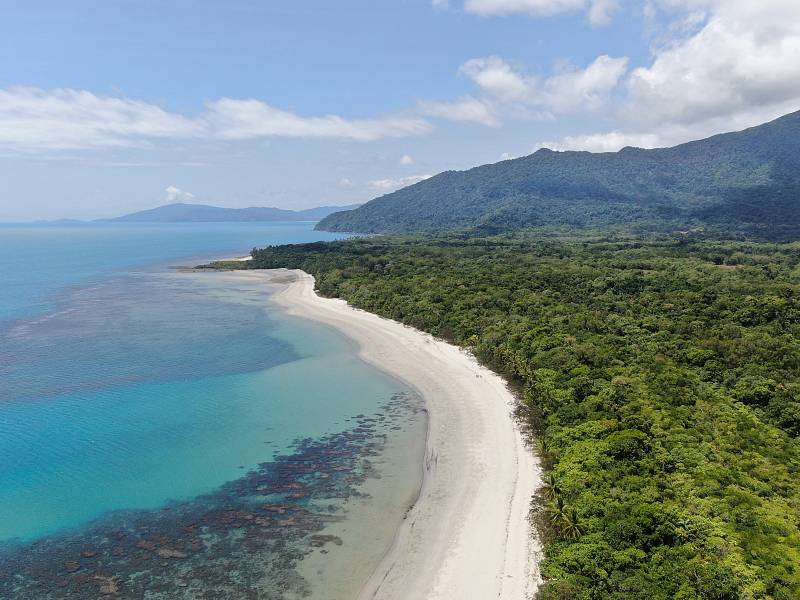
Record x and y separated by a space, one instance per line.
468 534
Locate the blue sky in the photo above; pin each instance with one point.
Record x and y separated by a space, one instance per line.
109 106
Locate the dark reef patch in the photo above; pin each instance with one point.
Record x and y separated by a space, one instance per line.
242 541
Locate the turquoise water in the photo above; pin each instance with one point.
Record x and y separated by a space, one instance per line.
138 398
38 261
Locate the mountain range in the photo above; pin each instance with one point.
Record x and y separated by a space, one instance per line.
202 213
748 179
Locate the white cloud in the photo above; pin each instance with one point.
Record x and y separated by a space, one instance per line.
174 194
496 77
389 185
406 160
574 89
467 109
602 142
509 92
716 65
36 120
441 4
719 65
745 57
245 119
599 12
344 183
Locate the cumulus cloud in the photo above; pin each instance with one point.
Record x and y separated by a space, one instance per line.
389 185
406 160
599 12
508 92
34 120
175 194
718 65
745 56
498 78
570 88
573 89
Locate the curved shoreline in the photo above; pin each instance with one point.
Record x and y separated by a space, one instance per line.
468 535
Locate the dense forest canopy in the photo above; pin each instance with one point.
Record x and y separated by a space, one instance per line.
746 181
662 377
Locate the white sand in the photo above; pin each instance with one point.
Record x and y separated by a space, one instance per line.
468 536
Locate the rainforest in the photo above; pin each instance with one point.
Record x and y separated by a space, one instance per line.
660 377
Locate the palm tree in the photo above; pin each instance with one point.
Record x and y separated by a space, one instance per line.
551 489
570 527
543 447
556 510
565 519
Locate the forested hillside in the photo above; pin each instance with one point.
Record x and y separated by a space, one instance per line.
747 181
662 378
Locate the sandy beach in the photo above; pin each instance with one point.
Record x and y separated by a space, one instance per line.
468 535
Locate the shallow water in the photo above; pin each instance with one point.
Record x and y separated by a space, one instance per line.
168 434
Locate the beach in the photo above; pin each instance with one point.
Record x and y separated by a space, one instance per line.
468 535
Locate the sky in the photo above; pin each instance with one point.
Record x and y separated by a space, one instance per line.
112 106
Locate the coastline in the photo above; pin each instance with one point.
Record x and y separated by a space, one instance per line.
468 535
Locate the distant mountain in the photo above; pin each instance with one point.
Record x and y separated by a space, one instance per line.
58 222
202 213
747 179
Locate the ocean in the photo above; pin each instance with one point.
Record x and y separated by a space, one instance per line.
173 434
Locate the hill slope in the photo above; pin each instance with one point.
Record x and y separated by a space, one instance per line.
749 178
202 213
